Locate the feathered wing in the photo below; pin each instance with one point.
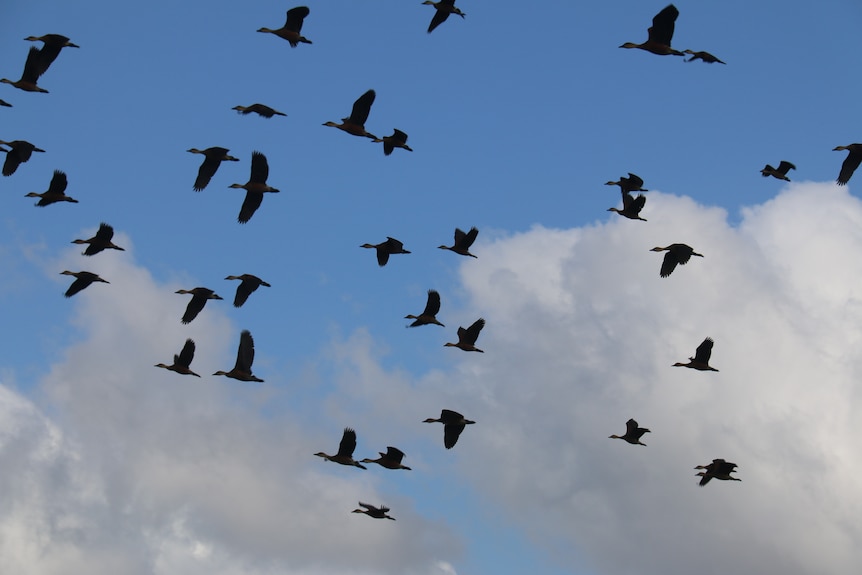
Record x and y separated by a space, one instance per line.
348 443
362 107
249 206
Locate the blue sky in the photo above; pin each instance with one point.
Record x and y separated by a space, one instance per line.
516 119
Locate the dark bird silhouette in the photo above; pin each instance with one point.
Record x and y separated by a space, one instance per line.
390 460
259 109
780 172
385 249
467 337
355 123
660 33
676 254
398 139
19 153
56 191
631 184
30 75
463 242
443 9
428 316
372 511
182 360
255 187
244 358
453 424
631 207
700 361
101 241
52 44
213 157
5 103
705 56
292 27
345 450
249 284
200 296
633 433
854 158
82 280
718 469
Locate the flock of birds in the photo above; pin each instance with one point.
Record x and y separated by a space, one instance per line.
658 42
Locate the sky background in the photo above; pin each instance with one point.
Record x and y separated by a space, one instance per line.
517 119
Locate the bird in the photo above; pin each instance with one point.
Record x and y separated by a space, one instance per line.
444 8
213 157
355 123
244 358
182 360
633 433
52 44
259 109
255 187
700 361
200 295
249 283
292 27
660 33
676 254
718 469
780 172
5 103
372 511
345 450
463 242
398 139
453 424
19 153
467 337
854 158
82 281
101 241
385 249
631 184
390 460
30 75
631 206
432 307
705 56
56 191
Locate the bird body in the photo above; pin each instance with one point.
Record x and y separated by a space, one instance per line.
355 123
631 207
255 187
261 110
780 172
398 139
467 337
463 241
292 27
101 241
453 424
705 56
372 511
660 33
182 360
56 191
213 157
200 296
244 358
248 285
443 9
700 361
345 450
676 254
851 162
82 280
428 315
385 249
52 44
19 153
633 433
390 460
33 68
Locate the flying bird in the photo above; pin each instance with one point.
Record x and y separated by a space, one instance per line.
660 33
355 123
292 27
398 139
345 450
372 511
463 242
676 254
248 285
633 433
780 172
631 206
851 162
631 184
52 44
255 187
101 241
19 153
453 424
467 337
385 249
182 360
705 56
244 358
390 460
718 469
82 281
213 157
33 68
428 316
200 296
443 9
259 109
56 191
700 361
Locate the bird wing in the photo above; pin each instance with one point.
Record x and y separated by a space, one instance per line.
58 183
433 304
11 163
105 232
249 206
635 181
196 304
851 162
186 355
259 168
245 352
471 334
703 351
469 238
399 136
783 167
631 426
637 204
440 16
33 66
362 107
682 252
82 280
243 290
367 506
707 475
447 415
451 432
295 17
207 171
348 443
394 454
668 264
662 27
382 254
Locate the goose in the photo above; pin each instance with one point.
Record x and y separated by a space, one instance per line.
213 157
372 511
453 424
82 281
463 242
345 450
851 162
676 254
390 460
244 358
56 191
292 27
255 187
200 296
633 433
780 172
660 33
432 307
182 360
101 241
398 139
19 153
355 123
248 285
443 9
385 249
700 361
